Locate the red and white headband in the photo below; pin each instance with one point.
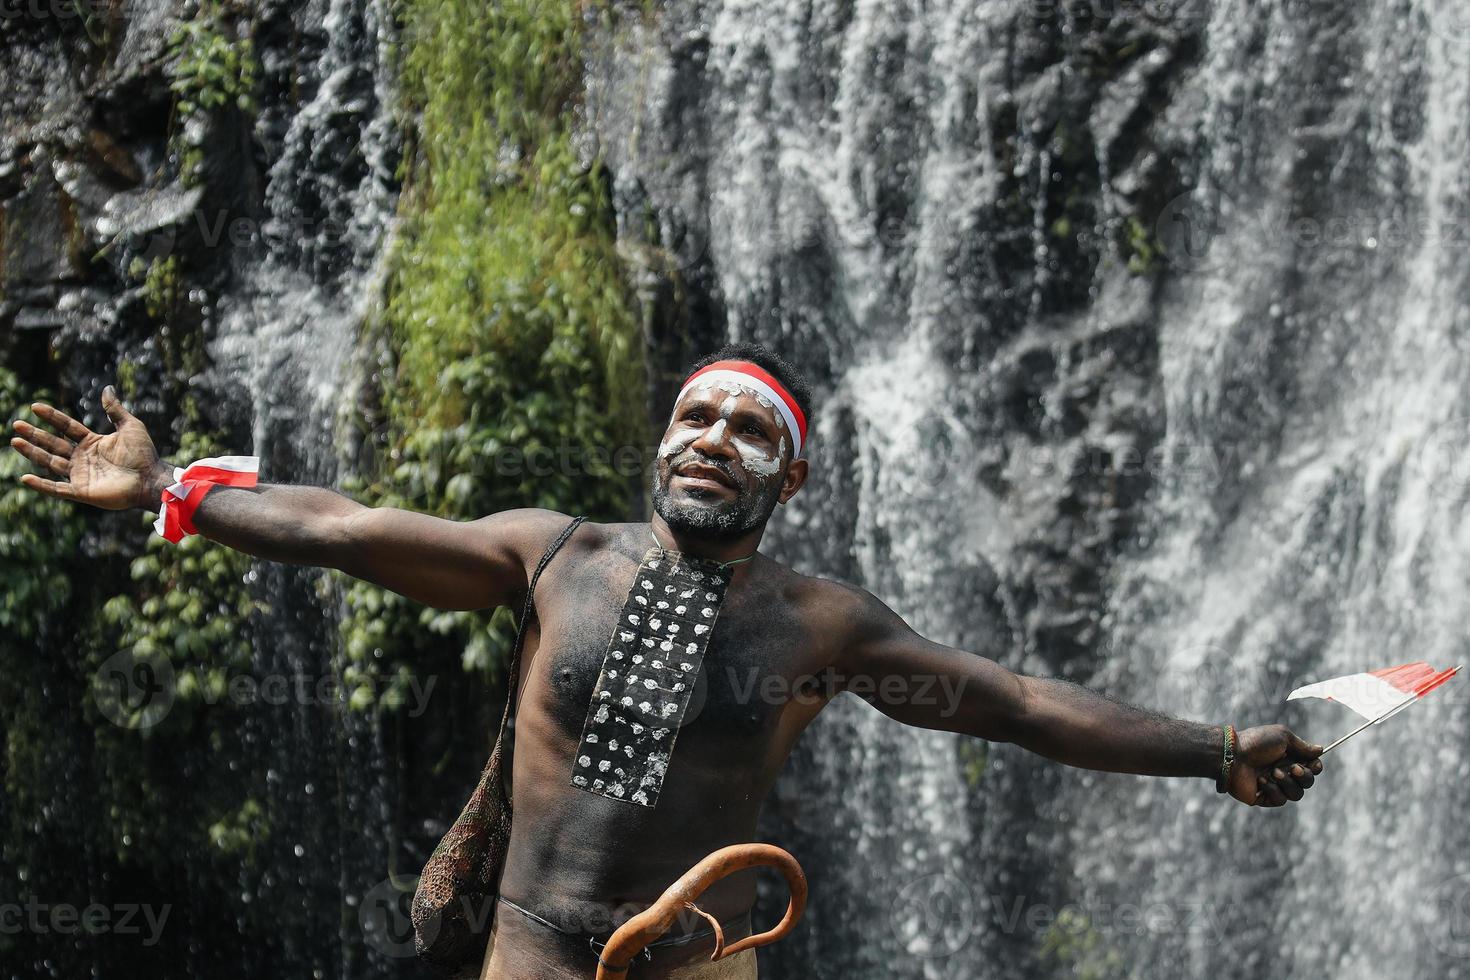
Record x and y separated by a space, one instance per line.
753 376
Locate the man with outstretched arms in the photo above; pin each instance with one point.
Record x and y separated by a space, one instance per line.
670 666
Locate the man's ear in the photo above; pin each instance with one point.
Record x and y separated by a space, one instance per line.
795 477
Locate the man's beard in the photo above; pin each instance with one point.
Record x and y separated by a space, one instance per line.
708 515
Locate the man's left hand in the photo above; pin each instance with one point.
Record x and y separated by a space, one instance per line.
1272 766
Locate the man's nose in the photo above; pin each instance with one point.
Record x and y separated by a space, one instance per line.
711 444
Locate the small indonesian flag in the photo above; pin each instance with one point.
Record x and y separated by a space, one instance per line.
1378 693
192 482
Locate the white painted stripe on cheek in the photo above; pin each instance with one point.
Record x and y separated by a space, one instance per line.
667 449
756 460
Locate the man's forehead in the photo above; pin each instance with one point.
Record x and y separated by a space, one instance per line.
716 392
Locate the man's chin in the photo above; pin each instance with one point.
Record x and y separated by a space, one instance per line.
701 517
705 522
709 515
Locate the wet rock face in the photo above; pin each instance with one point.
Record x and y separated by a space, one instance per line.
949 215
974 225
151 152
982 180
1142 272
162 193
42 247
83 124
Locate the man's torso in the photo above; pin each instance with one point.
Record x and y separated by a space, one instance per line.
587 862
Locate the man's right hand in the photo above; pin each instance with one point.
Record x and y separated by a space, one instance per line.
114 471
1273 766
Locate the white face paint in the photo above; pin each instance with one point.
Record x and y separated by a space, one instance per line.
677 443
736 388
755 459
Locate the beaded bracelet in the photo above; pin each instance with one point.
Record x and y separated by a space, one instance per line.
1227 760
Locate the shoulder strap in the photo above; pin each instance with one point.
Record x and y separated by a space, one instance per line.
529 607
514 674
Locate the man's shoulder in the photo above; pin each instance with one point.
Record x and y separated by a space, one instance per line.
823 589
832 602
533 530
844 619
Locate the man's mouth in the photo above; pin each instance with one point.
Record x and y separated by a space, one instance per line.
703 476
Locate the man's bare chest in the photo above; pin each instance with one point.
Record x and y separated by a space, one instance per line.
751 664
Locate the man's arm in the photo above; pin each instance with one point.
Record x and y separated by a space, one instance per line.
446 564
477 564
931 685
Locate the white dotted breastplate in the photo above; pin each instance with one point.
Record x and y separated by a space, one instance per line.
648 675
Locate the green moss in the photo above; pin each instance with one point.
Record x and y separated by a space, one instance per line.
508 323
974 757
1077 946
127 380
157 791
209 70
40 537
38 534
86 13
186 604
238 833
161 287
191 606
1140 247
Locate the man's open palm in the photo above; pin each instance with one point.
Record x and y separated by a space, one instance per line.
112 471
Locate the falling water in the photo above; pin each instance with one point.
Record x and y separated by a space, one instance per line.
284 347
288 328
1140 331
1327 372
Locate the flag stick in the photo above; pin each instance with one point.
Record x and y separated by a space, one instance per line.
1370 724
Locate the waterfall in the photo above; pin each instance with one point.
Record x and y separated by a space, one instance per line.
1335 539
288 328
1140 330
310 275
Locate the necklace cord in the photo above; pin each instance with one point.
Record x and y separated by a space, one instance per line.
721 564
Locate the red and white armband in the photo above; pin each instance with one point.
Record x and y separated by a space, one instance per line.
192 482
